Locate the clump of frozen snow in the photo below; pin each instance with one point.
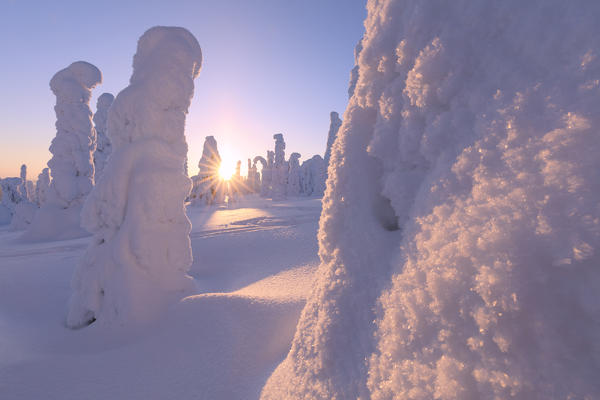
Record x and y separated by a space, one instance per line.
207 186
472 129
71 165
103 146
140 254
334 127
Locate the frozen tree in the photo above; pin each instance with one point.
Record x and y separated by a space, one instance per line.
11 196
42 186
23 185
103 146
71 165
312 176
460 228
280 170
138 260
334 126
208 187
293 184
15 207
265 181
252 183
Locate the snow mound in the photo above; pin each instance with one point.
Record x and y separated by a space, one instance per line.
462 205
140 253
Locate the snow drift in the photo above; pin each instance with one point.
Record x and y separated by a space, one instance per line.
141 248
462 206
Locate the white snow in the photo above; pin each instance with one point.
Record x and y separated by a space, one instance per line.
140 252
220 343
462 206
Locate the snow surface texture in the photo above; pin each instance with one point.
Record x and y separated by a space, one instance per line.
71 165
334 127
103 146
221 344
477 124
208 187
140 253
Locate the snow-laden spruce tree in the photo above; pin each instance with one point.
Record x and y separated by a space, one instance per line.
313 173
42 186
140 254
23 185
208 187
11 196
25 209
71 165
103 146
334 127
474 129
265 173
293 183
280 170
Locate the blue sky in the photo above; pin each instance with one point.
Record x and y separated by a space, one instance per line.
269 66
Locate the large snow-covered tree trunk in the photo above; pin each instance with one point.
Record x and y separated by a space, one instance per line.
71 165
473 128
138 260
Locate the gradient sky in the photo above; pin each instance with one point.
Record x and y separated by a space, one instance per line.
269 66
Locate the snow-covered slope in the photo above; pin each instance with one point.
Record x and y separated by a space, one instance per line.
221 343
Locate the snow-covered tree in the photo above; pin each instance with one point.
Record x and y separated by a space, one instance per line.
42 186
139 257
265 180
280 170
208 187
11 196
460 228
312 176
23 186
293 184
71 165
103 146
334 126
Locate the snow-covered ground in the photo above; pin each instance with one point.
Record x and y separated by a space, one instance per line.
253 264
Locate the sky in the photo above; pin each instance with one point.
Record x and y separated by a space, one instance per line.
268 67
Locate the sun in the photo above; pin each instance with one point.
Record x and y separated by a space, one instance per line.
226 170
